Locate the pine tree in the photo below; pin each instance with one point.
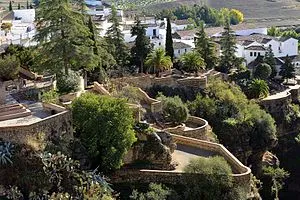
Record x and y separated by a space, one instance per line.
10 6
270 60
206 48
287 70
64 38
228 58
19 6
169 40
142 46
115 38
27 5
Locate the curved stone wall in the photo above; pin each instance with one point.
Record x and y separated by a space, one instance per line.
199 129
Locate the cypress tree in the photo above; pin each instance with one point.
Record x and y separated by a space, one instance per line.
206 48
228 58
270 60
115 38
19 6
10 6
287 70
169 40
142 46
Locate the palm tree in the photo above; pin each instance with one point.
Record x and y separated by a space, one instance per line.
258 88
158 61
192 62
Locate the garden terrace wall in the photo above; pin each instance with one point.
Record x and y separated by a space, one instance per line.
52 126
200 132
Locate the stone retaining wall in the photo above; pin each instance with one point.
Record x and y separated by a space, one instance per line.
52 126
198 133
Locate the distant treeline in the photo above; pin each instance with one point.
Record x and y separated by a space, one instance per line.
198 13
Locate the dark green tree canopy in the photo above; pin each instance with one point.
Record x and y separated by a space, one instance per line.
263 71
169 41
105 126
287 70
270 60
142 46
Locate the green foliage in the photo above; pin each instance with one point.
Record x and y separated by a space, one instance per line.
206 48
263 71
142 46
228 59
278 175
68 83
293 114
50 96
258 89
6 152
9 68
115 39
174 110
199 13
274 31
169 41
155 192
192 62
287 70
105 126
158 61
270 60
69 46
10 6
225 102
212 180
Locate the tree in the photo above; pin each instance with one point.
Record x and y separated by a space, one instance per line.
19 6
115 38
158 61
64 38
105 126
278 175
9 68
213 182
287 70
206 48
142 46
274 31
27 5
6 27
263 71
258 88
10 8
236 16
169 41
270 60
174 110
228 47
192 62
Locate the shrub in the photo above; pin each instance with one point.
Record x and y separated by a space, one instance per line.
174 110
213 182
155 192
68 83
263 71
105 126
9 68
50 96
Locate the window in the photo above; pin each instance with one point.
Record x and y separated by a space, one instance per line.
154 32
251 54
159 43
258 54
297 64
254 54
179 51
185 50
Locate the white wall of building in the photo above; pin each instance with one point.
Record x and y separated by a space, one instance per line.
27 15
180 52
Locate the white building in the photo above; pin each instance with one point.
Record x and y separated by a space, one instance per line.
181 48
179 25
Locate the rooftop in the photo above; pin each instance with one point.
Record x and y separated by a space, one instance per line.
180 45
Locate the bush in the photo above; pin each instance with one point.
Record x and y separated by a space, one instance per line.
68 83
9 68
105 126
263 71
174 110
213 182
50 97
